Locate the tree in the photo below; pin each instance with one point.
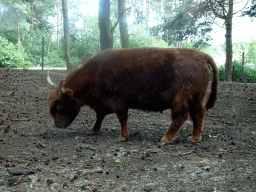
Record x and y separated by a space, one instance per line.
25 22
14 18
176 24
66 34
251 12
84 40
106 33
123 24
223 9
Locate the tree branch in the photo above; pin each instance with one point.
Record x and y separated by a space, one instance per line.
223 7
218 25
119 17
215 13
113 28
242 8
32 18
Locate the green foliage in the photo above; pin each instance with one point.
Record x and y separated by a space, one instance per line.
238 48
249 72
208 50
187 45
84 40
201 46
32 43
141 38
251 11
11 56
14 13
252 51
55 58
19 21
10 35
180 21
221 72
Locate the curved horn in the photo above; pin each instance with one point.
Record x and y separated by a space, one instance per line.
62 91
50 81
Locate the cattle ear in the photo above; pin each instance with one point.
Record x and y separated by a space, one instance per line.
68 93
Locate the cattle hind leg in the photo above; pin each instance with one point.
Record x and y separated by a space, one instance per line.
178 118
122 116
197 114
97 125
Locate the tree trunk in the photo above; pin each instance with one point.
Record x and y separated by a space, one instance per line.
228 65
227 16
228 23
50 40
32 18
123 24
57 9
66 34
106 35
18 34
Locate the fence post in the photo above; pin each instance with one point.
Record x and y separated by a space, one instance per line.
43 55
243 66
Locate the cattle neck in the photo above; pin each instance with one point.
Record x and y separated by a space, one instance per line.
77 81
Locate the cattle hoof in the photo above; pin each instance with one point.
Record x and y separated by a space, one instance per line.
91 132
122 139
95 130
194 140
164 142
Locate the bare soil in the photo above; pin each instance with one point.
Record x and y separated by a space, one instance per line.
36 156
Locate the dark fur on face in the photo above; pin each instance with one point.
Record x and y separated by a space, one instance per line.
63 107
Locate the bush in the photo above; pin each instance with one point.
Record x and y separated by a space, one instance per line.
221 72
141 38
205 48
55 59
237 66
10 56
32 43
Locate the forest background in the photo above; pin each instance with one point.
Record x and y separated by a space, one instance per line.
156 23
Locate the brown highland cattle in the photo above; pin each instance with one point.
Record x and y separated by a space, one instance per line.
151 79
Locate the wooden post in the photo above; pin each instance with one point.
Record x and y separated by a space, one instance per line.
243 67
43 55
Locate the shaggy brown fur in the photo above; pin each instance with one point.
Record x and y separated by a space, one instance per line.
150 79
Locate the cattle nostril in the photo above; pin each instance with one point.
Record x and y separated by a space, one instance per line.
62 123
58 124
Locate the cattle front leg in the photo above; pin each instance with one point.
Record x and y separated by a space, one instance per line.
98 123
123 117
197 114
177 121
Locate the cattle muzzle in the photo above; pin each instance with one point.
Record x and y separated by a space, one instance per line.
62 122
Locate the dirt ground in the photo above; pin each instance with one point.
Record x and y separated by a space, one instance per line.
36 156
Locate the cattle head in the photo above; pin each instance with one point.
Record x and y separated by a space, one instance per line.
63 106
